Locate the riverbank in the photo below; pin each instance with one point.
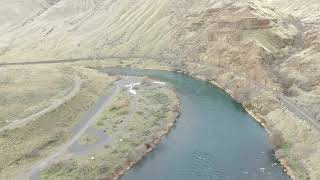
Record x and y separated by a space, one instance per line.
261 121
299 140
172 119
135 122
154 144
199 137
157 65
284 161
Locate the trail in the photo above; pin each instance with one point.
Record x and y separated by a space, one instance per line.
101 104
53 106
297 110
71 60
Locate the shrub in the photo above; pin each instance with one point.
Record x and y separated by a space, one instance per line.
276 139
119 104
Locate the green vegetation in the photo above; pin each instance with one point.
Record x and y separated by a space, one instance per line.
134 122
285 146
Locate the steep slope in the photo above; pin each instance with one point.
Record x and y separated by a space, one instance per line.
307 11
15 14
264 52
299 73
90 28
266 56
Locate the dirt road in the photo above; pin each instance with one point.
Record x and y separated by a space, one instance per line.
291 106
56 103
100 106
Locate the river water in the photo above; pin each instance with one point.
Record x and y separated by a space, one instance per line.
213 139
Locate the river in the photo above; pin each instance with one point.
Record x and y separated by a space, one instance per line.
213 139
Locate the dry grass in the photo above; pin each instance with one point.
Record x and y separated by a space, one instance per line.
26 90
133 127
22 147
123 62
221 40
300 144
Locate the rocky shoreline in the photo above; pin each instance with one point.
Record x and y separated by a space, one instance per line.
283 161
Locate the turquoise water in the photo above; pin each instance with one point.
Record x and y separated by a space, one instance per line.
213 139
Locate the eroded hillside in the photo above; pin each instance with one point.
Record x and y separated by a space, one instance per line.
91 28
266 53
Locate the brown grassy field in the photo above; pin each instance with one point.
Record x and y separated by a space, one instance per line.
26 90
23 146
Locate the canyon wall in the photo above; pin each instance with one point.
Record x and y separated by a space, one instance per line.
266 53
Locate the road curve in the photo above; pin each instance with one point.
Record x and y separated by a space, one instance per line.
103 102
54 105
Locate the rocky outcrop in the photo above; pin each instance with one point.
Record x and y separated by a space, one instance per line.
268 60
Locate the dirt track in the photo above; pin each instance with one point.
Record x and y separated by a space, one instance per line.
54 105
102 104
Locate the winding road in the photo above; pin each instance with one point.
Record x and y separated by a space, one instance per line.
56 103
88 121
84 125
